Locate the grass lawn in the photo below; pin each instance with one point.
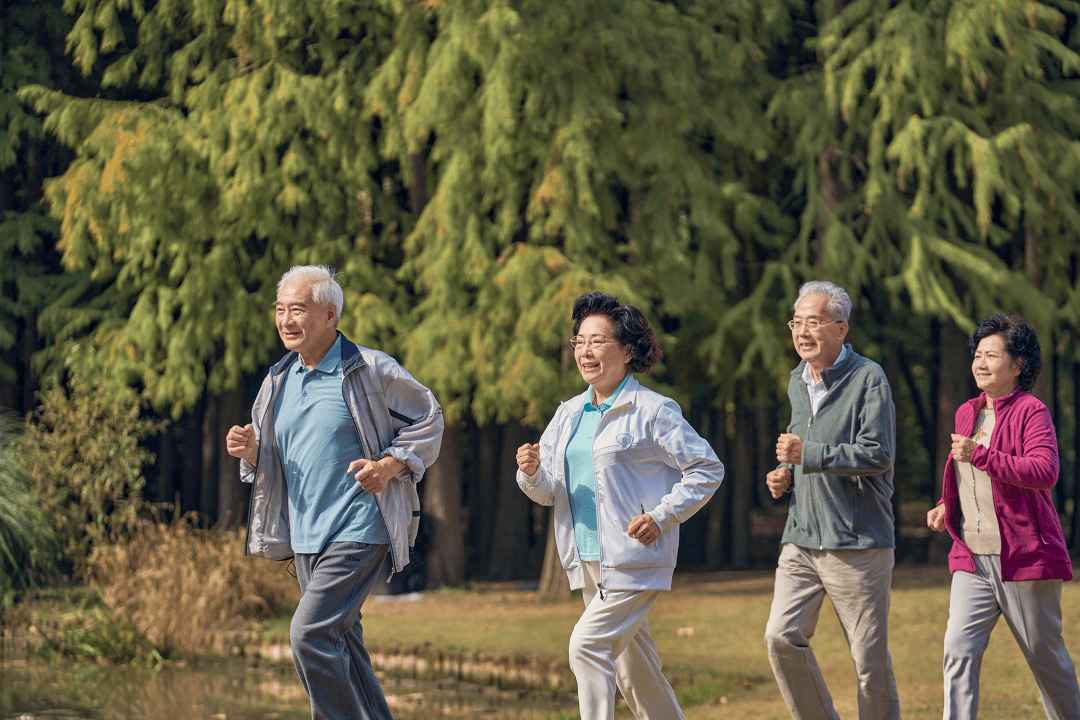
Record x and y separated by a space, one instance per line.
720 669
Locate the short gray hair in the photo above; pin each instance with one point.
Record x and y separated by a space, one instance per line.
324 288
839 302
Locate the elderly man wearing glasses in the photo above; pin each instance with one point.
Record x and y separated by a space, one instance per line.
836 460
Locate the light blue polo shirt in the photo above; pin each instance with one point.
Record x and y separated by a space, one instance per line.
317 440
580 481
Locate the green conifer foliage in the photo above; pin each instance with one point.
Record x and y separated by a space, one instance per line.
253 154
950 135
470 167
30 34
83 455
571 148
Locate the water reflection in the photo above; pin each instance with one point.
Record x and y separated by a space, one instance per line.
227 692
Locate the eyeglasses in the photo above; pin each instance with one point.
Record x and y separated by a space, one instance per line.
597 342
810 323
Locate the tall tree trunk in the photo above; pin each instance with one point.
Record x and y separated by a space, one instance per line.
831 190
718 522
442 506
191 465
231 493
831 193
418 195
29 345
767 426
482 507
743 461
510 538
208 487
925 419
892 365
554 585
1046 384
954 388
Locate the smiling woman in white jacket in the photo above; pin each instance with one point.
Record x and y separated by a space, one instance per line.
622 469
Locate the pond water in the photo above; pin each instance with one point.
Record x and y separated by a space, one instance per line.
234 692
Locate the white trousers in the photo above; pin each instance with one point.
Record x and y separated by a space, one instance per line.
1032 609
610 646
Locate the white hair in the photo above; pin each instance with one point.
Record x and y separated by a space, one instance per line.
839 305
324 288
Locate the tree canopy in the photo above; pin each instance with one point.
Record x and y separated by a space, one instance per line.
471 167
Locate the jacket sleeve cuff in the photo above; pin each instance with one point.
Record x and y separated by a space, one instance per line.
979 457
412 463
813 456
663 517
247 471
530 480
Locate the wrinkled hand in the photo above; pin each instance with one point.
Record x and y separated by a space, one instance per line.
779 482
528 458
374 475
643 529
789 449
240 442
962 447
935 519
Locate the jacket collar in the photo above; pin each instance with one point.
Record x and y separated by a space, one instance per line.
1000 403
835 371
626 396
350 358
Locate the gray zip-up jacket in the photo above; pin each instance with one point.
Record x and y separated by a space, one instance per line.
842 493
393 415
646 458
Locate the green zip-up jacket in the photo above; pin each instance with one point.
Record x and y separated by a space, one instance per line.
842 493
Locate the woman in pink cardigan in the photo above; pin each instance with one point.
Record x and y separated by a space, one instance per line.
1008 556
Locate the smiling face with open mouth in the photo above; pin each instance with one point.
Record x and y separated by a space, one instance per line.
821 346
303 325
602 361
996 372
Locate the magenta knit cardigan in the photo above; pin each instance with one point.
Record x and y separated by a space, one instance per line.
1022 462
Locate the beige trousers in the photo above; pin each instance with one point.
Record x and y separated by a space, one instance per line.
611 646
858 582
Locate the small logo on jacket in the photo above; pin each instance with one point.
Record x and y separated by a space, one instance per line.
624 440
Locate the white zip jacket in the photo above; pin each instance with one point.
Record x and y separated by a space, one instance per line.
645 457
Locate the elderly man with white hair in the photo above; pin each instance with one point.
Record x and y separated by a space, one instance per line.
836 460
339 437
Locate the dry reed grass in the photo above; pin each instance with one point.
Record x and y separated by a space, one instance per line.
189 590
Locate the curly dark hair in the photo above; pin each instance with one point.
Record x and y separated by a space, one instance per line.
627 324
1020 342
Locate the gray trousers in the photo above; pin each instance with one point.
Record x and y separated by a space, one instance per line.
859 583
326 635
1032 610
